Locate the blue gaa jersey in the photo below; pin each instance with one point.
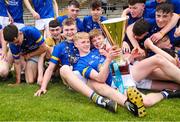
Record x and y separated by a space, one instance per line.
89 62
44 8
148 15
32 40
79 24
173 40
3 9
89 24
15 8
151 5
63 52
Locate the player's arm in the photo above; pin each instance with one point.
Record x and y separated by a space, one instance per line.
46 78
159 35
17 66
41 68
29 7
149 44
133 41
42 48
55 5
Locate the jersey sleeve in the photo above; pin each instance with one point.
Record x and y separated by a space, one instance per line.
15 50
55 56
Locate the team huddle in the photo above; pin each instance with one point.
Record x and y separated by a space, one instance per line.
80 54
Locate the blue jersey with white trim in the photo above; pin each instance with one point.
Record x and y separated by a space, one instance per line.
15 8
63 51
93 60
3 9
31 41
44 8
89 24
79 24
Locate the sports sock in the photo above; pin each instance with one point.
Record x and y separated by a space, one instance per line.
165 94
98 99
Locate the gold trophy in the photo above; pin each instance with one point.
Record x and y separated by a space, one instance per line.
114 30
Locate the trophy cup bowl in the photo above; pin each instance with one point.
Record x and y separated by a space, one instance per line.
114 30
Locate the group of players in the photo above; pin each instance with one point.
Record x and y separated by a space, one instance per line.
81 54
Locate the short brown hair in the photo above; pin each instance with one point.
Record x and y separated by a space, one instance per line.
74 3
68 22
133 2
80 35
95 32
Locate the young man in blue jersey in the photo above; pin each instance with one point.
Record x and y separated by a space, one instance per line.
94 66
73 12
137 10
15 9
45 11
66 54
26 45
93 21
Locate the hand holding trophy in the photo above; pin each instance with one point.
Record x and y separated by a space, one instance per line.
114 30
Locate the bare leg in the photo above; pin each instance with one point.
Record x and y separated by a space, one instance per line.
151 99
4 68
160 85
145 67
74 82
31 72
105 90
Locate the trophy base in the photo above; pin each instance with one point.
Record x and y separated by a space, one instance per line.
124 69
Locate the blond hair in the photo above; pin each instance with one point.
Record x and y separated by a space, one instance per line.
80 35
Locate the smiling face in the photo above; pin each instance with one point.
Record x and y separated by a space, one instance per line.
136 10
97 41
162 19
69 31
55 32
82 42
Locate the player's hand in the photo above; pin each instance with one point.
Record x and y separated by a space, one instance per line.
156 37
40 92
138 53
36 15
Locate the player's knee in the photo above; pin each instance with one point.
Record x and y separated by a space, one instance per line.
4 71
64 70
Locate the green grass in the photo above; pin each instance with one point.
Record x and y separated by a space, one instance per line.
61 104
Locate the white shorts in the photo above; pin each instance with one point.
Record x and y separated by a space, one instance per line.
78 74
34 59
4 21
144 84
41 24
19 25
